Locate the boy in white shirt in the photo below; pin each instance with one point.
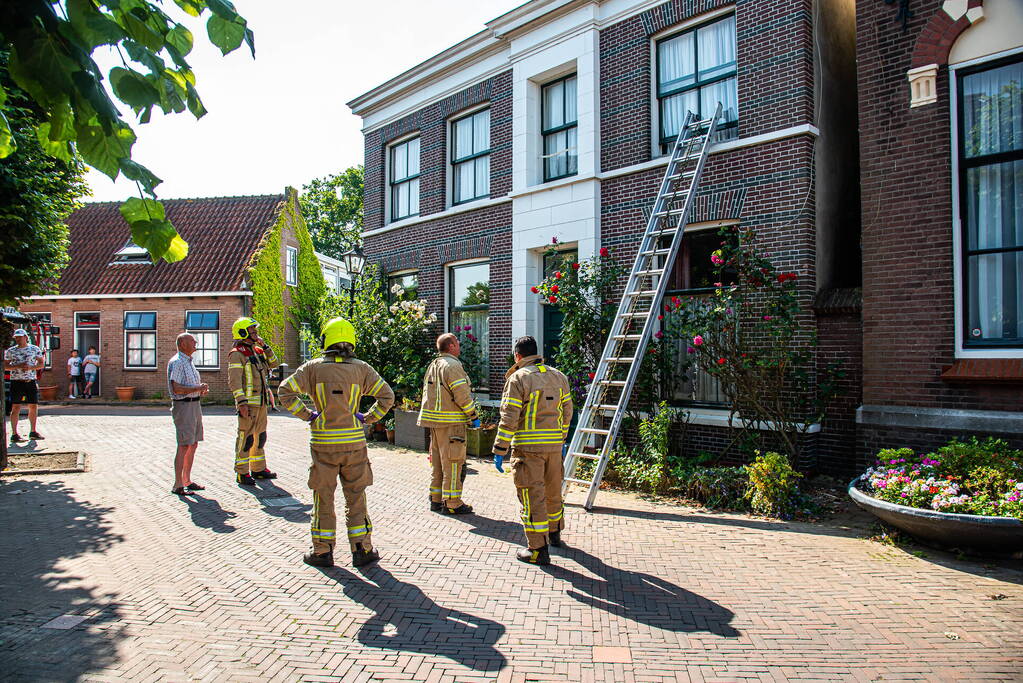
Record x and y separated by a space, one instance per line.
74 374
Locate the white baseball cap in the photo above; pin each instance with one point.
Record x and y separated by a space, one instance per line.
20 332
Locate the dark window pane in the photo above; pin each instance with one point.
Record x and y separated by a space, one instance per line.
993 111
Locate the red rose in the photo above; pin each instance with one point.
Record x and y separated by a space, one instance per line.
721 361
534 290
660 317
591 374
575 266
604 251
552 299
555 288
557 275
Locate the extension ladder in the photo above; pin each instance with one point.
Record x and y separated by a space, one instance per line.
616 373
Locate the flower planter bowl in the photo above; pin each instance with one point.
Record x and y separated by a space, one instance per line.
947 530
480 442
125 393
407 433
48 393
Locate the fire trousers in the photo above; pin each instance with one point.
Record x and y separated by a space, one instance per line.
248 447
352 467
447 455
538 476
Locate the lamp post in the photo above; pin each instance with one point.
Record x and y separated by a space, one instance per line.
354 261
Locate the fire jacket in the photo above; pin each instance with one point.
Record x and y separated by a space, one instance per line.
336 385
536 408
447 395
248 370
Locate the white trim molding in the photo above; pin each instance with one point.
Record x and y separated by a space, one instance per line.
923 87
135 295
454 210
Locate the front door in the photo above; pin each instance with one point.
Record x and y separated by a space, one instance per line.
87 334
553 317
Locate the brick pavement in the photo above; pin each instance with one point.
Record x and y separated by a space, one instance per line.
213 589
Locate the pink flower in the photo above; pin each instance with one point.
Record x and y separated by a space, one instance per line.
458 328
698 340
690 349
658 334
604 251
554 240
767 317
467 328
716 260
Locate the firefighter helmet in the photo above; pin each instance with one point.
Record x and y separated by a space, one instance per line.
338 330
240 329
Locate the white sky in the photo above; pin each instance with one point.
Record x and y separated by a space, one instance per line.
281 119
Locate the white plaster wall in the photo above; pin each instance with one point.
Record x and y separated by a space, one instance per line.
1001 29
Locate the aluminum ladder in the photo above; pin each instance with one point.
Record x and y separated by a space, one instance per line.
616 373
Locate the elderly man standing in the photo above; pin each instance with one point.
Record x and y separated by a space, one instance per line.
23 361
447 406
186 388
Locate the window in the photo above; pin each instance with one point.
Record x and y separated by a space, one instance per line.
205 327
470 157
696 70
131 253
290 266
47 352
333 279
402 287
139 339
469 303
405 179
991 203
559 128
305 331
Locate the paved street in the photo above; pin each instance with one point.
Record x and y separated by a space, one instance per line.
214 588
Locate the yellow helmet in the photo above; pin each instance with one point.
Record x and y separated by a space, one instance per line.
338 330
240 329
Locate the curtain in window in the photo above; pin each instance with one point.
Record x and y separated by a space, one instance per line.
993 111
553 107
463 138
723 92
676 67
716 49
673 111
481 131
482 168
399 161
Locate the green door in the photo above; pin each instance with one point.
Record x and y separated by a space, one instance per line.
553 317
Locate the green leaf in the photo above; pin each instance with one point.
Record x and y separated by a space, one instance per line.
7 143
137 209
225 34
42 68
180 38
61 124
250 40
140 31
103 151
94 27
172 98
223 8
158 237
60 149
139 54
133 88
194 103
191 7
137 172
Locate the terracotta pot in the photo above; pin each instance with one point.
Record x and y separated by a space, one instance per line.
390 436
125 393
48 393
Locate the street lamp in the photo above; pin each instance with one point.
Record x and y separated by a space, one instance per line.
354 261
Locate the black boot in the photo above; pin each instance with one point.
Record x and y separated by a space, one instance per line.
462 509
264 474
246 479
555 537
362 557
322 560
538 556
435 506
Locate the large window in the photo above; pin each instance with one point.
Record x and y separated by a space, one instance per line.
469 302
695 71
991 203
470 157
290 266
140 339
333 278
205 327
405 179
560 128
305 333
402 287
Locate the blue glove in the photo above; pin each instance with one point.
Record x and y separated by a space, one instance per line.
476 423
564 451
312 418
360 417
499 462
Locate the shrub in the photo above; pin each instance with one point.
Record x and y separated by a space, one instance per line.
715 487
772 485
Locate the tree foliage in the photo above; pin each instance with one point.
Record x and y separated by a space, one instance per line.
332 208
51 45
37 193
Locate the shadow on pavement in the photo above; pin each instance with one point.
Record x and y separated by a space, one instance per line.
44 527
407 620
639 597
266 489
207 513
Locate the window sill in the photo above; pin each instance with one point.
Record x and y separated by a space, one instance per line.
984 371
127 369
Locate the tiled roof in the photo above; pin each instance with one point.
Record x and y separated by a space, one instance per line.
222 234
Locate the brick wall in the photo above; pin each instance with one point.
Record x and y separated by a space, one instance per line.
170 321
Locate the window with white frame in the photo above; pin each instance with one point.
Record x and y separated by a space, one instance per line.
559 128
991 202
469 304
47 352
402 286
140 339
330 274
404 172
290 266
205 327
696 69
470 157
305 331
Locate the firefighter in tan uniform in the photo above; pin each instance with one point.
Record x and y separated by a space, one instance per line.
336 383
536 409
446 407
248 370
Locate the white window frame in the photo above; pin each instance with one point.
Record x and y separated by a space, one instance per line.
961 351
450 153
389 170
557 129
194 332
448 267
290 273
156 346
303 343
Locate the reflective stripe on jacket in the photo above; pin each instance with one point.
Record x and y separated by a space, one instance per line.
248 374
336 386
447 395
536 408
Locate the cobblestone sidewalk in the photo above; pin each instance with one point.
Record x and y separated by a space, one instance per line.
107 576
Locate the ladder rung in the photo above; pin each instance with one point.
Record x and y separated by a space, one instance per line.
636 314
628 337
585 456
655 271
612 382
621 359
683 174
642 292
663 231
573 480
654 252
593 430
670 212
606 407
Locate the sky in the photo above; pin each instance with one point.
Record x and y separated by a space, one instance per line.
280 119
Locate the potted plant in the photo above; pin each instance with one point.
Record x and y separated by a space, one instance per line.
48 393
389 427
480 442
125 393
406 432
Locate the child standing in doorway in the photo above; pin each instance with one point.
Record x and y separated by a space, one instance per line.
74 374
90 366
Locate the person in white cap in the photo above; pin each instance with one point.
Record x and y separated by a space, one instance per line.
23 361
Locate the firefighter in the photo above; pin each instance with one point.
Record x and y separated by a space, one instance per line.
248 367
336 383
446 407
536 409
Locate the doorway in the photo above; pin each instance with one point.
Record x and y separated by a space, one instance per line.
87 333
553 317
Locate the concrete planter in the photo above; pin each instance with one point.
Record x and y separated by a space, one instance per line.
947 530
407 433
480 442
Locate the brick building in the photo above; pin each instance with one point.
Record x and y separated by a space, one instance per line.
941 133
113 297
554 122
